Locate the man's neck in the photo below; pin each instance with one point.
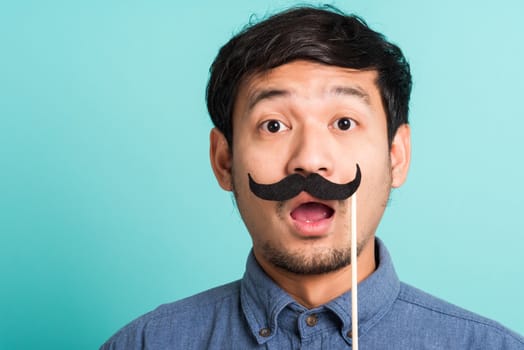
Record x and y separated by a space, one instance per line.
314 290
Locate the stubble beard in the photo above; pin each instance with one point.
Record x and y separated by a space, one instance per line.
314 261
309 260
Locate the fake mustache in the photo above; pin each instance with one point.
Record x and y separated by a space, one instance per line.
314 184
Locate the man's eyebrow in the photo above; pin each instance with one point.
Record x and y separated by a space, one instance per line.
265 94
351 91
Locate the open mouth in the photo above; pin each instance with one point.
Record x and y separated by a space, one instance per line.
311 212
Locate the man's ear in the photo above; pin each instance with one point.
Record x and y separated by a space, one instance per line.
221 161
400 154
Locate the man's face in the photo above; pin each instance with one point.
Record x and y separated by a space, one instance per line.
305 117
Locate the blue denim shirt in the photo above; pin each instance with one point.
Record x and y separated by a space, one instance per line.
255 313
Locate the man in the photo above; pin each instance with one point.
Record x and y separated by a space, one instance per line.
311 91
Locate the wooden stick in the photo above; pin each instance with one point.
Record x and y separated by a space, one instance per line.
354 281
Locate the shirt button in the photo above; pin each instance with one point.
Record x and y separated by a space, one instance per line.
265 332
312 320
349 334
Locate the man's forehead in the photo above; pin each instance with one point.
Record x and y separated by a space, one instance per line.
306 78
261 94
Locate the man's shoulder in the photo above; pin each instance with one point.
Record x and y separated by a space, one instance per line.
428 309
193 305
185 316
204 300
417 298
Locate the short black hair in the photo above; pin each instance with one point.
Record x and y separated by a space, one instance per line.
318 34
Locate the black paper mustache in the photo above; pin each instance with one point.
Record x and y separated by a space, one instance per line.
314 184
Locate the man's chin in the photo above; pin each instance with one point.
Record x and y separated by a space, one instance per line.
320 262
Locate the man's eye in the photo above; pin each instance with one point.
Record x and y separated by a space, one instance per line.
344 123
273 126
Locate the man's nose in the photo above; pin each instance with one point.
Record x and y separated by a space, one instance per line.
312 152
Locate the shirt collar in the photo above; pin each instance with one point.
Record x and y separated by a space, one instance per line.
262 299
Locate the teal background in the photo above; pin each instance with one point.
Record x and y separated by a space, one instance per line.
108 206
